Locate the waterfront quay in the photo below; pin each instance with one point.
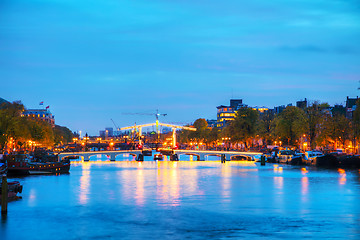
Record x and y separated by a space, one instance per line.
126 199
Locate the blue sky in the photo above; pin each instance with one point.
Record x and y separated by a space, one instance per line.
95 60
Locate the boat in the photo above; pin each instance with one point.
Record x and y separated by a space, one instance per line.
158 157
14 187
349 161
241 158
288 157
43 155
329 160
3 168
147 152
22 164
310 157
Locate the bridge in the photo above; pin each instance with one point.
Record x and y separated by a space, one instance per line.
225 155
200 155
86 155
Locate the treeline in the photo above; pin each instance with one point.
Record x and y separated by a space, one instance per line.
21 132
317 126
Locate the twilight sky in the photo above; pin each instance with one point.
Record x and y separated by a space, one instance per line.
94 60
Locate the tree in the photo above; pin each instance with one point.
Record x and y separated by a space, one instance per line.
265 125
201 130
62 134
243 127
11 124
41 131
18 130
315 115
213 135
340 129
291 124
356 125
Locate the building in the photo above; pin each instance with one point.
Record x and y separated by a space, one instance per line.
350 106
279 109
302 104
261 109
43 114
110 131
225 114
338 110
211 123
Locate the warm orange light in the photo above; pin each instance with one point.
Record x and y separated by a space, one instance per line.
304 170
341 171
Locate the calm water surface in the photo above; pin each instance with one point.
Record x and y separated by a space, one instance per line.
186 200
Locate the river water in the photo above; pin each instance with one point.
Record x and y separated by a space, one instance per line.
186 200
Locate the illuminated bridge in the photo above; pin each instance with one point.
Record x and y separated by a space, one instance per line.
228 155
86 155
199 155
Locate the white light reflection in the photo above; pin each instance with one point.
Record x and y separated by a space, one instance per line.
84 183
226 182
168 183
304 184
139 190
32 198
342 176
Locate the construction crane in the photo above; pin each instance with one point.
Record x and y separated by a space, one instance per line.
174 128
157 115
116 127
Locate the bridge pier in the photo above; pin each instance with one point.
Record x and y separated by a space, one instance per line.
140 157
174 157
223 158
86 158
112 157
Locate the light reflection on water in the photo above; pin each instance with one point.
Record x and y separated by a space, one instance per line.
84 183
159 199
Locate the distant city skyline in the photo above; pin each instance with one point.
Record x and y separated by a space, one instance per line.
93 61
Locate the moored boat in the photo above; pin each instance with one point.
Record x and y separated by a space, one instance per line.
349 161
147 152
289 157
14 187
310 157
327 160
158 156
3 168
22 164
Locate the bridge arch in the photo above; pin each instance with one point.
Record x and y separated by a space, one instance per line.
101 154
241 157
206 156
190 154
72 156
124 154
